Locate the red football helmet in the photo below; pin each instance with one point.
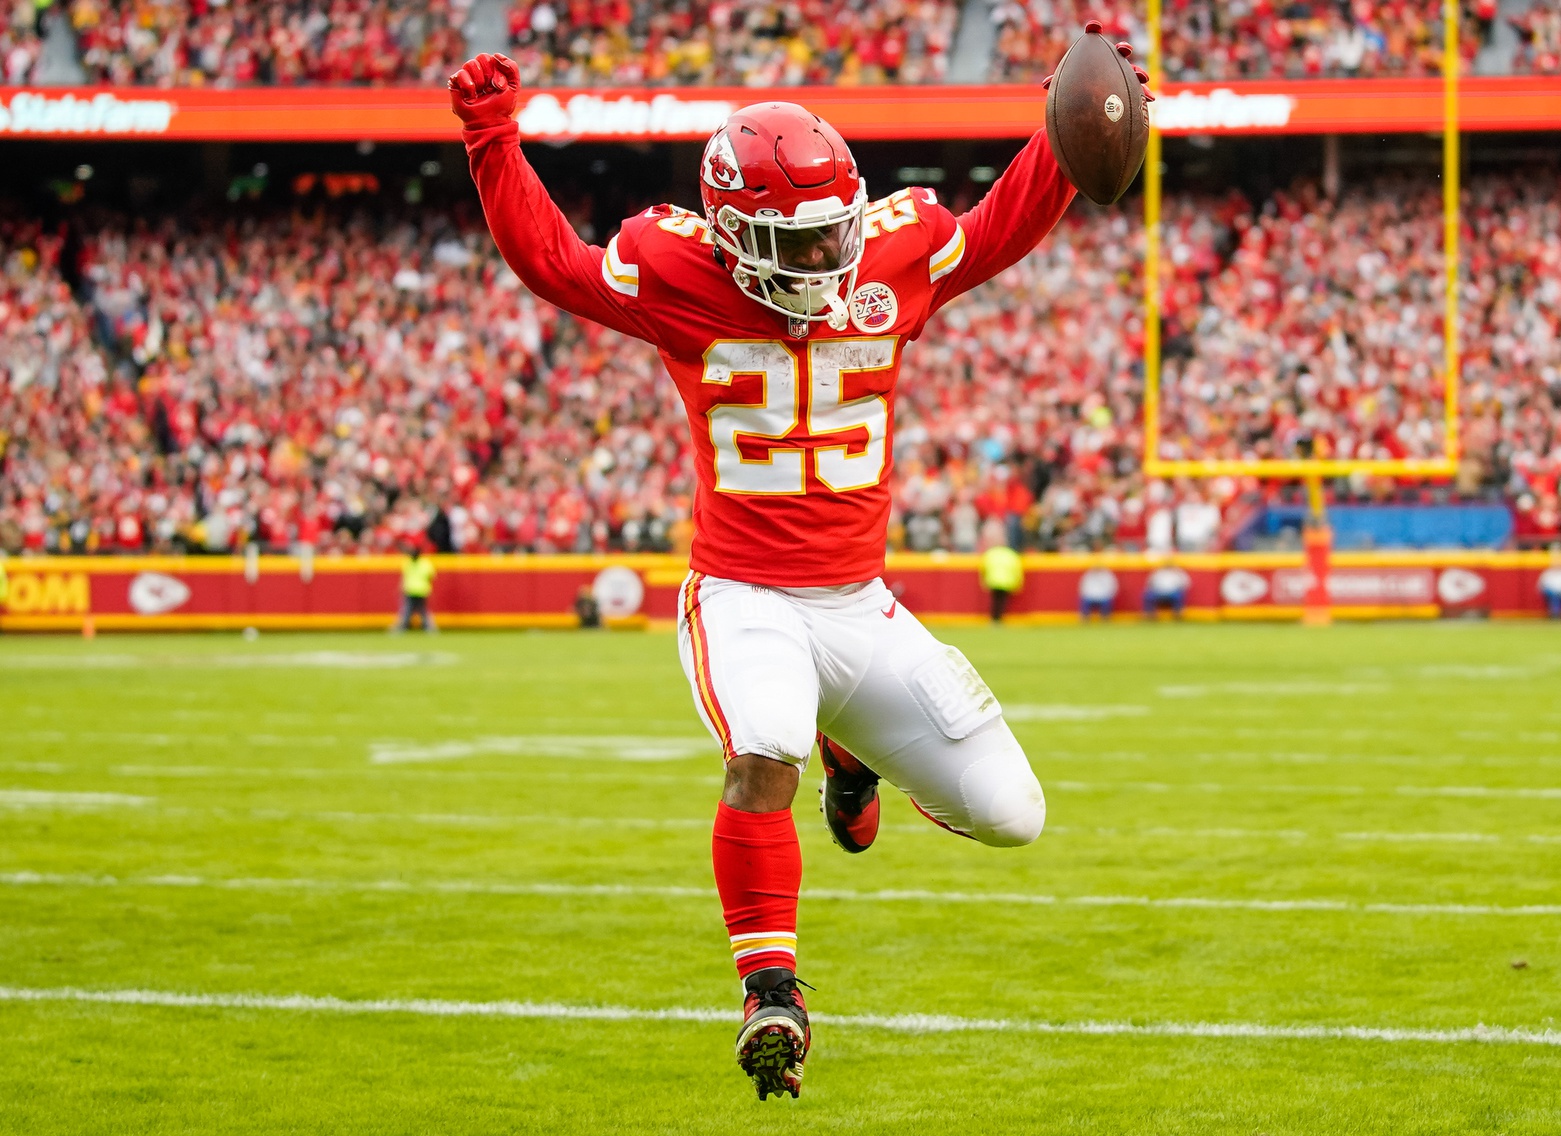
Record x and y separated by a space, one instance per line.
784 201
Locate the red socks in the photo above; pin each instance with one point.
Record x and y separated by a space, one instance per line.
758 873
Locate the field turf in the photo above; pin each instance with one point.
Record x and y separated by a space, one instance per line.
481 859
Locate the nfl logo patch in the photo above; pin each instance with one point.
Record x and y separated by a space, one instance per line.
874 307
798 327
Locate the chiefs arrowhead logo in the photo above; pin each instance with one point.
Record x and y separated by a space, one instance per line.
720 164
152 593
1241 587
1459 586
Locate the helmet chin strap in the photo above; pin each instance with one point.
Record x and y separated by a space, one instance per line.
837 312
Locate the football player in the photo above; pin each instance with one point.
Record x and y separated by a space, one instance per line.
781 313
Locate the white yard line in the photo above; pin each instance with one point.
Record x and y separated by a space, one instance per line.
897 1023
45 799
633 747
40 799
887 895
1497 791
329 660
1070 712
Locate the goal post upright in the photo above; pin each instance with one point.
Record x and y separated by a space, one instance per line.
1452 169
1152 190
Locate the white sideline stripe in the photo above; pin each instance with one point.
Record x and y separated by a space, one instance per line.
888 895
897 1023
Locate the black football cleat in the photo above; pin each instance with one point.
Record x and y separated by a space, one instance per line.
774 1040
848 797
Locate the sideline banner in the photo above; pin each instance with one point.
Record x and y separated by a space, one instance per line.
211 593
422 114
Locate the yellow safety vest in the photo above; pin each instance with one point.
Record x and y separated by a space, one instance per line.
417 577
1001 569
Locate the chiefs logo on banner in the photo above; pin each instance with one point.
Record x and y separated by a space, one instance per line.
720 165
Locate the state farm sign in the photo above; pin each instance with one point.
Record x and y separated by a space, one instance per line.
1220 110
1368 587
627 116
31 112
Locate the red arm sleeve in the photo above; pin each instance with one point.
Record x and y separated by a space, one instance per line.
1019 209
537 241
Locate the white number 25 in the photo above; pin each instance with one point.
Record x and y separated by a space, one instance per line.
781 470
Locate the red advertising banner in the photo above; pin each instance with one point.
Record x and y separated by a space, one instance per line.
422 114
188 593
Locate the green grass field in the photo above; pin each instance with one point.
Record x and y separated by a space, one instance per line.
1374 812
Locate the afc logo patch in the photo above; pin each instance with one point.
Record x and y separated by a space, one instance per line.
874 307
720 165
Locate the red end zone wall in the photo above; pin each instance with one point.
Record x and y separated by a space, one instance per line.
196 593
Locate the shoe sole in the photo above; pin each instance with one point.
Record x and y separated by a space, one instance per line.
768 1054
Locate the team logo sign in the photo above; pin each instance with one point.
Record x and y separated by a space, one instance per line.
152 593
874 307
720 164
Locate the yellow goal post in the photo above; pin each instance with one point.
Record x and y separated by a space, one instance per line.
1297 468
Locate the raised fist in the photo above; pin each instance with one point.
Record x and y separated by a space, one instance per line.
485 90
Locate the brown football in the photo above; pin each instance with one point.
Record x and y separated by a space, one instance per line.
1096 119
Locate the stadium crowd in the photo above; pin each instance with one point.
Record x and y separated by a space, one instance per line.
587 43
1247 39
354 379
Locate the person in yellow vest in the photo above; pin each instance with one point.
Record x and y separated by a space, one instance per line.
1002 574
417 584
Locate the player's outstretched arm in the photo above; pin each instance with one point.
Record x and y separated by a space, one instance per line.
1017 212
535 239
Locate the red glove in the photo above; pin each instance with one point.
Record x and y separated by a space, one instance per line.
485 90
1125 50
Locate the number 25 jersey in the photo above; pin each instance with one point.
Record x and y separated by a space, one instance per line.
792 421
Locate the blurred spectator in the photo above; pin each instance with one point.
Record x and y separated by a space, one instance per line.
1002 571
1549 584
1539 35
1097 593
1166 590
417 585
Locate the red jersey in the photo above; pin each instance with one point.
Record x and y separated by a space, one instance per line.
792 421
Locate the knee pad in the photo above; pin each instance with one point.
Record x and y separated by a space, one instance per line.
1006 805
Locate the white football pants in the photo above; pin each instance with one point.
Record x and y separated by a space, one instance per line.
769 666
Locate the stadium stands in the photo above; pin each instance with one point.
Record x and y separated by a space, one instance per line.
1304 40
591 43
333 377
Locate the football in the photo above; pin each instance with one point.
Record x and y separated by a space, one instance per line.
1097 120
